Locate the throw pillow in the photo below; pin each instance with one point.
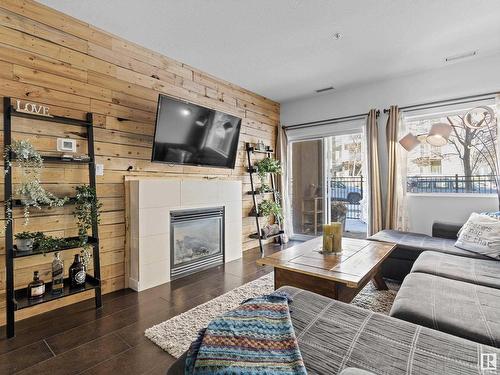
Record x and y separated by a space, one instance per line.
480 234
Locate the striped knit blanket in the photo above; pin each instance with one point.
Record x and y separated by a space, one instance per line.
255 338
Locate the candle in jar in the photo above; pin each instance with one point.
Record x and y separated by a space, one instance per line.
327 238
337 236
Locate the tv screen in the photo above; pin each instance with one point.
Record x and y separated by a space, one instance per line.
187 133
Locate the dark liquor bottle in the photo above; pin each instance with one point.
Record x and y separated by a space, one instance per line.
36 289
57 274
77 273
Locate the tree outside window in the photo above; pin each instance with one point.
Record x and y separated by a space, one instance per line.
468 163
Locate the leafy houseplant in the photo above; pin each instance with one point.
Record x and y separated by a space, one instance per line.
26 155
270 208
339 211
86 211
30 189
44 243
34 195
264 167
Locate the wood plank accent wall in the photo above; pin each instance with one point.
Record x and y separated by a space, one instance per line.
51 58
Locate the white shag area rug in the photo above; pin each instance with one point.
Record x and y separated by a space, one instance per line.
176 334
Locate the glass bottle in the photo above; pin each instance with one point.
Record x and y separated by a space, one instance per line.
36 288
57 274
77 273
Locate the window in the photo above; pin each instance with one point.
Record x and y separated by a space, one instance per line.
467 163
325 174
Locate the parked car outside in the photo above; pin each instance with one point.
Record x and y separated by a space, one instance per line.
341 191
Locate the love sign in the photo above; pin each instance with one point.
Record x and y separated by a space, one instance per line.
32 108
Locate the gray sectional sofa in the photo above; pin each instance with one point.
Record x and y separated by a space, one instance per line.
334 336
445 318
411 245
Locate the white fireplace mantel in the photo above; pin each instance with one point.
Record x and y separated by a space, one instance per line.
149 204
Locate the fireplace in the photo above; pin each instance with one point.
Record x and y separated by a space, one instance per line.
196 240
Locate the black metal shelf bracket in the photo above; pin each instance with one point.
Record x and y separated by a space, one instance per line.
16 299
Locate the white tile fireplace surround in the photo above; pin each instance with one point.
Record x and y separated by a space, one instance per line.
150 204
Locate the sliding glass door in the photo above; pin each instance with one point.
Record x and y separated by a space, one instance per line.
347 182
326 179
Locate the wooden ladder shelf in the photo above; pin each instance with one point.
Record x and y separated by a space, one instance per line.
251 150
18 299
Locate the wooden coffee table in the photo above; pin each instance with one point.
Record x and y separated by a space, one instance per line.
336 276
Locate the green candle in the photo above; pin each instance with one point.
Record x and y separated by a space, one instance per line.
336 230
327 238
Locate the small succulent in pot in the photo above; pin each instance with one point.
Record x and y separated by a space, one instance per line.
25 241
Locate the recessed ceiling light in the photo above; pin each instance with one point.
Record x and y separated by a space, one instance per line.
325 89
461 56
337 36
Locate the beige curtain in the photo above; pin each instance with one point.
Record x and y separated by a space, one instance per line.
391 207
497 114
375 198
281 180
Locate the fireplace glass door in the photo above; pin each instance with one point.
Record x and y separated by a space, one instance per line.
196 240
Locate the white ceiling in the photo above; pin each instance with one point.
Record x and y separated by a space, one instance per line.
284 49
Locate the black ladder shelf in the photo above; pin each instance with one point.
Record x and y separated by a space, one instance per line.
18 299
251 150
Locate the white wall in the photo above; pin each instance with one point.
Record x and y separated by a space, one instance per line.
424 209
475 76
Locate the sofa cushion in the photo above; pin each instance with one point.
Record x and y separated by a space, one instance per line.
462 309
412 244
333 336
476 271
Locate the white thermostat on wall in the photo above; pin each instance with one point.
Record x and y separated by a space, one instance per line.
66 145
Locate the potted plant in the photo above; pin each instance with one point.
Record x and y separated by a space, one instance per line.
34 195
31 191
270 208
87 210
264 167
25 241
339 212
28 158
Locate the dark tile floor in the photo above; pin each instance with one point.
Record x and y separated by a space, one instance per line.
78 339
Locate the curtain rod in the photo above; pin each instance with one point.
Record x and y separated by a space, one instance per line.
327 121
445 102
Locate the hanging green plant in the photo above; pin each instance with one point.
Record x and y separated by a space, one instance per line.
34 195
87 210
264 167
270 208
25 154
30 190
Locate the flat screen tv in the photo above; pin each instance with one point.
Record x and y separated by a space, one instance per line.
187 133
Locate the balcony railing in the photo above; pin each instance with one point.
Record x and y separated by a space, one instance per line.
480 184
349 190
